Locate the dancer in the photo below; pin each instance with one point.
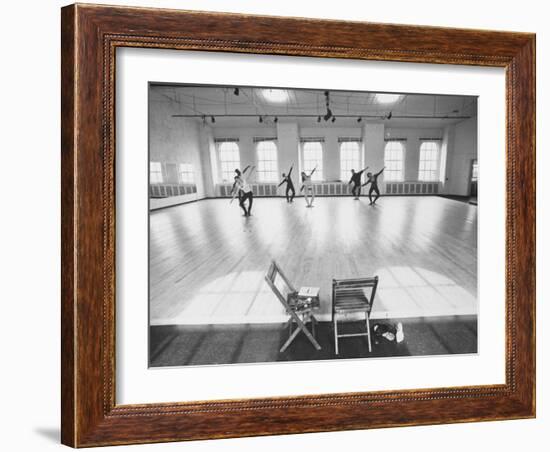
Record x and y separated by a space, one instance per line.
238 173
289 186
356 179
243 190
308 185
373 181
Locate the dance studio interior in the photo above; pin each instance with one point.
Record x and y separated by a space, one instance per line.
265 246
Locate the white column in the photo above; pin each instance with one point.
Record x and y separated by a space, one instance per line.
288 143
373 140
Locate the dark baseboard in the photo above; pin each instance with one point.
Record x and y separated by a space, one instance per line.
464 199
176 204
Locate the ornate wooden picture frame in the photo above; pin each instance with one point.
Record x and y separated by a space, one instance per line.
90 37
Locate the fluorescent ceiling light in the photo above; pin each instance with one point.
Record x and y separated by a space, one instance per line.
387 98
275 95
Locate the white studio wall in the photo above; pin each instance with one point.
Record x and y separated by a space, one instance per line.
463 151
288 140
412 144
331 150
373 136
175 140
246 136
373 140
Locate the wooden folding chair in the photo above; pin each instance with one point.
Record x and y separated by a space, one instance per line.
299 310
353 296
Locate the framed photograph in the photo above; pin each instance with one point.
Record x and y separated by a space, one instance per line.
281 225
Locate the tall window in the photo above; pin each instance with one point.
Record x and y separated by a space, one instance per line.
312 152
475 171
429 161
267 160
394 156
186 174
350 158
155 173
229 159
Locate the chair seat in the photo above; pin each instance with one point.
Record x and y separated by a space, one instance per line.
298 303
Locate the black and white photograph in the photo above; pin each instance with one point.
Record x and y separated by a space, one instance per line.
292 224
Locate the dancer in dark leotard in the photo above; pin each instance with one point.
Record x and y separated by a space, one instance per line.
289 186
373 181
356 179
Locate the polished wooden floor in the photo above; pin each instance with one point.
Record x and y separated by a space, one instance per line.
207 261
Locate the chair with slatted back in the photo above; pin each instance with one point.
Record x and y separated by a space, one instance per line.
350 296
299 309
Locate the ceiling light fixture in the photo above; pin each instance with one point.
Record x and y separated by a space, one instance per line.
275 95
328 114
387 98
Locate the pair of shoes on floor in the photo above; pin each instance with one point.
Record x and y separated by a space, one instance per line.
389 332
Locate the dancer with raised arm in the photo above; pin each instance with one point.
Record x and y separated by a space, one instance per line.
309 188
238 173
356 179
243 190
373 181
290 192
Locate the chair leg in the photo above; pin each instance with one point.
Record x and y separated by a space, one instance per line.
310 337
300 326
368 331
288 322
335 334
289 340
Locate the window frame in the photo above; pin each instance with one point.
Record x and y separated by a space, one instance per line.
234 163
388 172
434 164
345 173
160 173
318 176
190 172
261 172
475 171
